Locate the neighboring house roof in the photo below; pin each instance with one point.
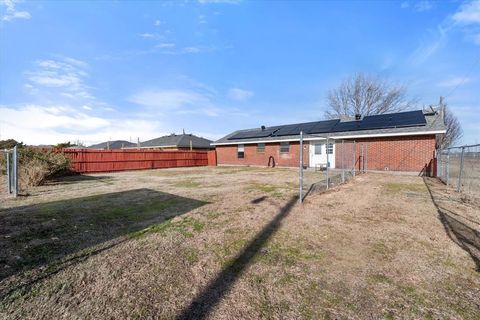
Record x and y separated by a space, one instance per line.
432 123
117 144
179 141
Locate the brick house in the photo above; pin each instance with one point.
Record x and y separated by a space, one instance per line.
404 141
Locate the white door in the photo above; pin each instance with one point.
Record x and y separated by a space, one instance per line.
318 154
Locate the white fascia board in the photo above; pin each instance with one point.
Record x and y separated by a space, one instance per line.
264 141
380 135
375 135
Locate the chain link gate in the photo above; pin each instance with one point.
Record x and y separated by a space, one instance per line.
343 160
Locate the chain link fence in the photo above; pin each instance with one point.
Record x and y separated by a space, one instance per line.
459 167
331 163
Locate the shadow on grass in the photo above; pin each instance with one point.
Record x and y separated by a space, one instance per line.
47 235
74 178
206 300
463 235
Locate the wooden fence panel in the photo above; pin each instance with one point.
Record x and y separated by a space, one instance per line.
85 160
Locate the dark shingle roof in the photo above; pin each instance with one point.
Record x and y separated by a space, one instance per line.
434 123
117 144
179 141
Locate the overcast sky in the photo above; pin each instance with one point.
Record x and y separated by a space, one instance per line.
96 71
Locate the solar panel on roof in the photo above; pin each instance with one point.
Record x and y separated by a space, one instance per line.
254 133
323 126
383 121
394 120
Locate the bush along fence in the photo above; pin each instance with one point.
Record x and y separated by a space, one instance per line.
90 161
459 167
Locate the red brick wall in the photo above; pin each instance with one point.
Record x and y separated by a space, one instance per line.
228 155
409 153
413 154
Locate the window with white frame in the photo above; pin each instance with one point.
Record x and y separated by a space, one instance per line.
284 147
330 148
240 151
261 147
318 148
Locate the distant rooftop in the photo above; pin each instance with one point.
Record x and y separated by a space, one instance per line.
179 141
116 144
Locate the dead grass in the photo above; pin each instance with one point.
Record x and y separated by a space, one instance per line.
377 247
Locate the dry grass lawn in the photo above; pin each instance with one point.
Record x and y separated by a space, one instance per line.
232 242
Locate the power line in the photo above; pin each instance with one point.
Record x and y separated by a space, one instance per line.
465 77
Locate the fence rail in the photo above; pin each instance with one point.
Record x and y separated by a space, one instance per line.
459 167
90 161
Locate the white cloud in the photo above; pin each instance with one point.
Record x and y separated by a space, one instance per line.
191 50
422 6
165 45
163 99
202 19
65 73
157 23
239 94
404 5
455 81
469 13
42 124
196 99
147 35
468 19
11 13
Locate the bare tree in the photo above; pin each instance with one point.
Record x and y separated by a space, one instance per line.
366 95
454 129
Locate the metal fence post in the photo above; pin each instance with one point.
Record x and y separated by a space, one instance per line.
447 169
440 166
366 157
15 172
363 159
300 182
328 162
9 173
461 170
343 161
354 157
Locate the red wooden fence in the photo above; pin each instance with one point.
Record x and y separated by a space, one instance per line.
85 160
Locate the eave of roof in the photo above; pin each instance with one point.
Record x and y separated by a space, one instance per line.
433 126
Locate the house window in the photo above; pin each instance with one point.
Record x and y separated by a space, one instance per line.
240 151
330 148
318 149
261 147
284 147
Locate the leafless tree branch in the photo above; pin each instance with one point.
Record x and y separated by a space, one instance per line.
366 95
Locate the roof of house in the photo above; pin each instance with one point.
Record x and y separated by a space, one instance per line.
179 141
117 144
417 122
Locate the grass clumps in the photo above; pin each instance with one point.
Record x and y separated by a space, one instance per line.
187 184
396 187
185 226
